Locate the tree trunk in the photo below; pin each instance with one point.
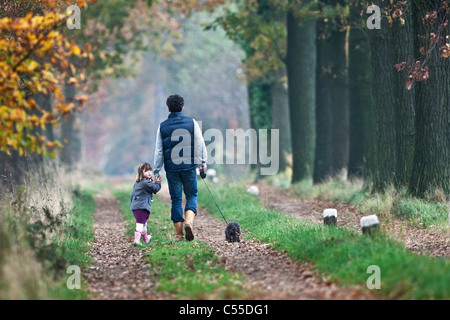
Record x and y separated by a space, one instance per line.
383 146
339 107
402 48
45 103
360 97
332 100
70 134
13 171
259 98
431 166
279 94
301 67
280 116
323 157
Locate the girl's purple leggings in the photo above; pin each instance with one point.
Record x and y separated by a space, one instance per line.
141 216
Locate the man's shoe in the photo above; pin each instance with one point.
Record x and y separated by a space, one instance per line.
189 225
179 230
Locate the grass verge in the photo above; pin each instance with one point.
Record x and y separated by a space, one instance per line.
432 211
342 254
76 243
185 270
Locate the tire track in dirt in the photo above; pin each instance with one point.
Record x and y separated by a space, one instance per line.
268 274
119 271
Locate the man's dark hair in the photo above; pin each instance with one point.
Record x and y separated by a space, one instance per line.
175 103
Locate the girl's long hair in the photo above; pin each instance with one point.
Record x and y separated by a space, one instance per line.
143 166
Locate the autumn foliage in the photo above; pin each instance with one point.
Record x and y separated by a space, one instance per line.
35 59
418 71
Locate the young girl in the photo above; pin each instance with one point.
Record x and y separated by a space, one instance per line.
141 198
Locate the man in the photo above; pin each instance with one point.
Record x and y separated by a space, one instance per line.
181 149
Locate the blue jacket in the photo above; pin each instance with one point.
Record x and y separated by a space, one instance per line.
142 194
179 144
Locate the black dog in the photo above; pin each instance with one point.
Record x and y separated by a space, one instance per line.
233 232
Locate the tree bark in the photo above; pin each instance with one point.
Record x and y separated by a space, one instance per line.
339 107
70 135
402 49
280 116
360 96
383 146
13 171
45 103
279 96
431 166
301 67
332 89
260 102
324 119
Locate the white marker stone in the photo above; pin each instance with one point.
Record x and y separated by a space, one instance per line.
330 216
369 224
253 190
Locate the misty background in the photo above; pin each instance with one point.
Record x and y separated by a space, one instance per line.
122 117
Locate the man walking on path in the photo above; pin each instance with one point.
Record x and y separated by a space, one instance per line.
181 149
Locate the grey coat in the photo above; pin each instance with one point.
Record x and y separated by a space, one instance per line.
142 194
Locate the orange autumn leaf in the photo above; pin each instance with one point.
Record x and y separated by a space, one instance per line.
64 64
50 145
81 100
75 49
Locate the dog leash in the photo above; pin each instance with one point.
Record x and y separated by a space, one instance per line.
214 200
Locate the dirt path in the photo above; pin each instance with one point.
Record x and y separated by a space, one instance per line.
119 270
418 240
268 274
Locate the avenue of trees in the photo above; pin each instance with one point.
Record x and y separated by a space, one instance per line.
361 101
348 99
